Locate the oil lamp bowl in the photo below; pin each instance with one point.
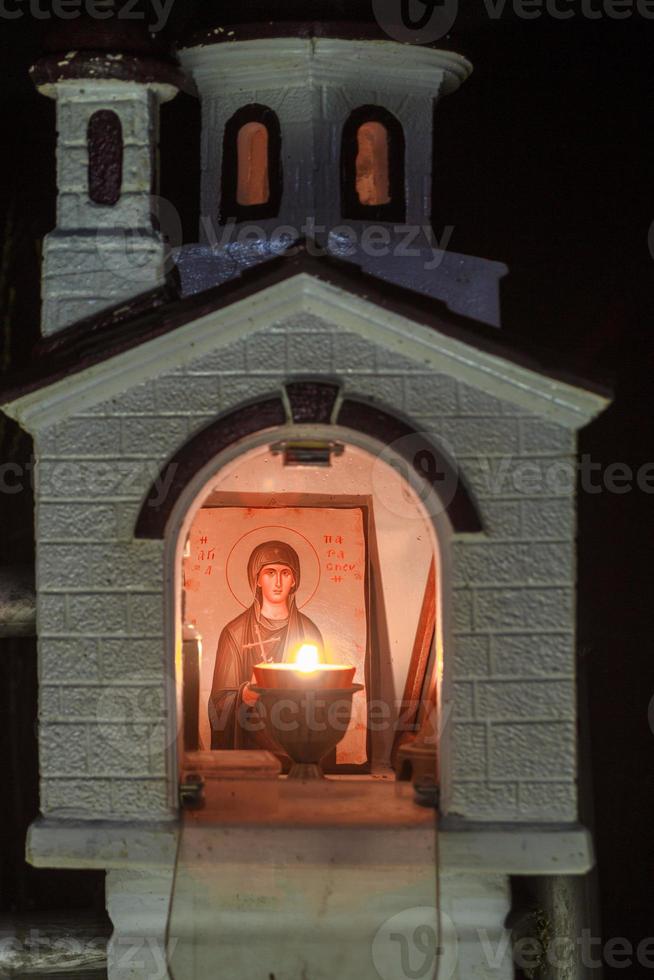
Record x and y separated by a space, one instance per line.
306 723
289 677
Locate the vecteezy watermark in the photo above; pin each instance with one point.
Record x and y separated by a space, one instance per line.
50 947
371 240
312 712
154 12
146 956
424 460
418 455
407 946
90 478
504 475
416 21
410 944
426 21
56 951
428 462
134 714
130 258
561 951
565 9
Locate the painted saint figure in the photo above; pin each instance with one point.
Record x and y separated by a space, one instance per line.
269 631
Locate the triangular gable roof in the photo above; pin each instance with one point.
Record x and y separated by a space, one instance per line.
76 359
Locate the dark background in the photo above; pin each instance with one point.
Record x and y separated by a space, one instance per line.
543 162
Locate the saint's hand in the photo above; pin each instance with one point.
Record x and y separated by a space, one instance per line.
250 697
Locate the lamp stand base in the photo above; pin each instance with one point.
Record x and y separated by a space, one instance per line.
306 770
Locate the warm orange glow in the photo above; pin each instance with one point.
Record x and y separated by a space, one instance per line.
291 676
252 149
372 180
307 658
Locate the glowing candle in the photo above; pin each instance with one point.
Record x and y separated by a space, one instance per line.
307 658
305 672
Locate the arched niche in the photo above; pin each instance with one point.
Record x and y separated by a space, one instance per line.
396 570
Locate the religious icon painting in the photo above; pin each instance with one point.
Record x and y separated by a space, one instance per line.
260 584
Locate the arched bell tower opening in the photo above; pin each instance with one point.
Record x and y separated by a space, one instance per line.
251 183
373 166
367 538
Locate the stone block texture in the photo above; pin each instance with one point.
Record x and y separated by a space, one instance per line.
509 741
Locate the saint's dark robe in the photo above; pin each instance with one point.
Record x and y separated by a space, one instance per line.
251 639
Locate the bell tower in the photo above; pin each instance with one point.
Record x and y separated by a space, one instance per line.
108 84
346 121
324 131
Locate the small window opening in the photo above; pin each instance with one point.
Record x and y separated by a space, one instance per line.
253 186
372 180
372 166
105 152
252 172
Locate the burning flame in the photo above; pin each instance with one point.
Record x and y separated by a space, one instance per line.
307 658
